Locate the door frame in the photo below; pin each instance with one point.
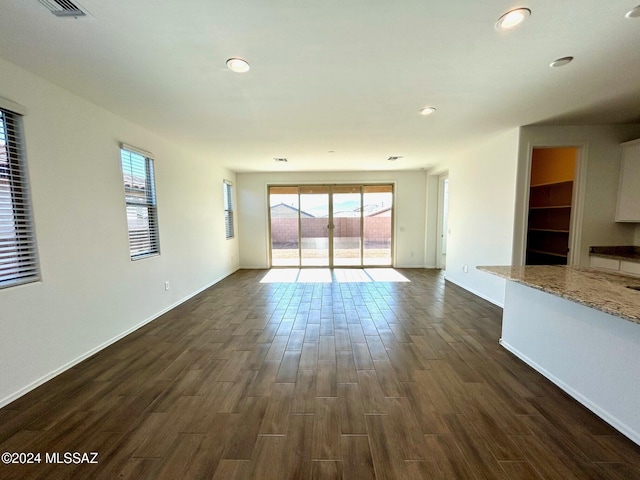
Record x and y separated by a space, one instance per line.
331 225
441 228
577 205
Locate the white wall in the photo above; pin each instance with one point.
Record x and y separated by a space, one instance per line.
410 201
481 211
603 154
91 292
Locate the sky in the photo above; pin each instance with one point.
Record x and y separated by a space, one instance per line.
317 204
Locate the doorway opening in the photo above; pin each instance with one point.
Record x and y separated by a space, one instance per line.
442 228
331 225
551 194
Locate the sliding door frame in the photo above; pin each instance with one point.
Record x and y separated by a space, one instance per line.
331 224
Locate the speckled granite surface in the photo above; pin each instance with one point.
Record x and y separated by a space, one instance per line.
606 292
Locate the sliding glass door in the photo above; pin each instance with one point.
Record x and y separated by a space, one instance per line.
347 226
377 218
314 226
284 208
331 225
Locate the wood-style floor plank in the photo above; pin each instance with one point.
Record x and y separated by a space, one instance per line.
353 381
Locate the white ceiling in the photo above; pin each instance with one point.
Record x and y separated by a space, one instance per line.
346 76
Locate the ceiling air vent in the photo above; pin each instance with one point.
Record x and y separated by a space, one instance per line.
63 8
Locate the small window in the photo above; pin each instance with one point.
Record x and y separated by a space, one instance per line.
228 209
18 252
140 197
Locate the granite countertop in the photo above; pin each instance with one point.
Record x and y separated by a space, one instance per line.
603 291
626 252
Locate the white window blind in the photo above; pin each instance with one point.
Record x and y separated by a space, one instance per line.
18 252
228 209
140 197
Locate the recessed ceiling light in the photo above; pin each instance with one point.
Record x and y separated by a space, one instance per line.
634 12
238 65
561 62
427 110
281 160
512 18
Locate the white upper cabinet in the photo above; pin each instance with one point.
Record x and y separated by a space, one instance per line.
628 209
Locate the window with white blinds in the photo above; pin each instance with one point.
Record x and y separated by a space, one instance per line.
228 209
140 197
18 252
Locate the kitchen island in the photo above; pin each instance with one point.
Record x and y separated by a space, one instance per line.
580 328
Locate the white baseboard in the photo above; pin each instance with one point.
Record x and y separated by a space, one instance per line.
600 412
35 384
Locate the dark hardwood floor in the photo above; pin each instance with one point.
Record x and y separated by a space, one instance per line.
314 380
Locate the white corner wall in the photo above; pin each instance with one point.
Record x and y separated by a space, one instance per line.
91 293
410 213
601 144
487 214
589 354
432 209
482 186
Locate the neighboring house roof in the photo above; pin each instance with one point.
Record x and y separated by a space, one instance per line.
282 210
369 211
384 212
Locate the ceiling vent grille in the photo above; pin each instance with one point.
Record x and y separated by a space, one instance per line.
63 8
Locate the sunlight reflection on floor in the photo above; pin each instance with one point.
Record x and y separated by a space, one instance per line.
386 275
349 275
338 275
281 275
314 275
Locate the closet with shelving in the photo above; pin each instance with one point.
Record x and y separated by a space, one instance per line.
550 202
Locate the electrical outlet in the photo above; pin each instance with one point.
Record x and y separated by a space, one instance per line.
166 285
465 268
